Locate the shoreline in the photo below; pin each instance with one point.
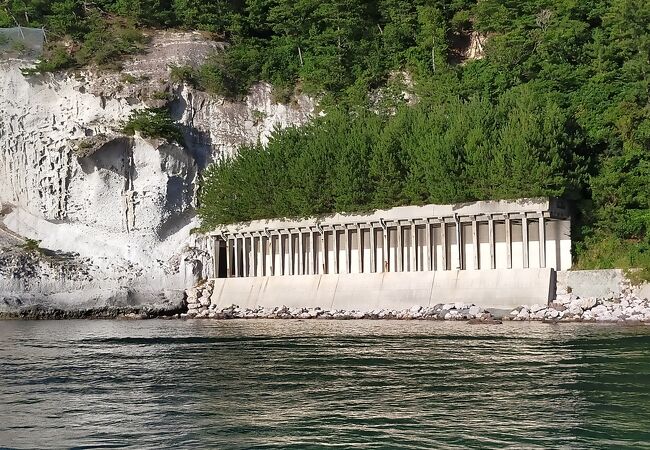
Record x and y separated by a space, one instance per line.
452 312
200 303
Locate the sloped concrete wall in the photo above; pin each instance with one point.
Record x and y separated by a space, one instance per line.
505 288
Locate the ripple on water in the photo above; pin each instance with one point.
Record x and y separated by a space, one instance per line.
301 384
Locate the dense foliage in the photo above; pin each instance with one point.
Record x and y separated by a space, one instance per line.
559 105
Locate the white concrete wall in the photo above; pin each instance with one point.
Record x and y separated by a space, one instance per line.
501 288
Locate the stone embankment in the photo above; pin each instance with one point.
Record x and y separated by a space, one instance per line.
623 307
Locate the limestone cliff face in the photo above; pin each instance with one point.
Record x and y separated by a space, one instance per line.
70 179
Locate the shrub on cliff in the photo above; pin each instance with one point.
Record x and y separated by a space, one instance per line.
153 123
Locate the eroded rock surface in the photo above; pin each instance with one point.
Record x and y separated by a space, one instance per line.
122 206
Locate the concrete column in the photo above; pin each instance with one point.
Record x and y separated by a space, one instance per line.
271 255
216 246
281 245
459 243
301 254
244 258
248 254
385 250
236 256
373 250
291 255
414 249
427 242
524 238
477 244
312 252
542 241
493 264
360 251
335 247
229 258
508 243
323 256
443 235
399 250
348 252
259 269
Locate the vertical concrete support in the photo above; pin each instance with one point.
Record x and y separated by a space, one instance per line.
348 252
245 256
301 254
335 246
459 244
216 246
323 255
281 249
399 250
291 254
476 243
443 236
229 258
427 242
373 250
542 241
360 249
414 249
385 250
524 238
236 256
270 254
508 243
312 252
254 261
259 271
493 263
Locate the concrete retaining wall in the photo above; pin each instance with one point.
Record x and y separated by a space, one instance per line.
590 283
505 288
598 283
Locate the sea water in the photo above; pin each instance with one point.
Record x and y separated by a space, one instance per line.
323 384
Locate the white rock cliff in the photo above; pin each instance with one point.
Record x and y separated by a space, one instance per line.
124 205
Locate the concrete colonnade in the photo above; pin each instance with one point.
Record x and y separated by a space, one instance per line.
468 242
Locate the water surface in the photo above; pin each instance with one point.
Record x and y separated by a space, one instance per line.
323 384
